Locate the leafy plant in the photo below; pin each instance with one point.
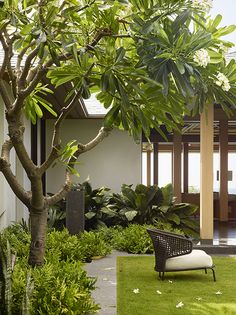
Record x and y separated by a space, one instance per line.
72 247
135 239
57 214
99 212
150 205
137 205
60 285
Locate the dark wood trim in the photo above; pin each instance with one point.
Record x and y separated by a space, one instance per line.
223 150
176 166
185 165
34 143
148 168
155 163
43 149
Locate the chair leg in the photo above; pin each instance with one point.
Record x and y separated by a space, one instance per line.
205 270
159 274
214 276
163 276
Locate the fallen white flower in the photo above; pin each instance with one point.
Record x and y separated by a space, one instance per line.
105 279
198 298
158 292
218 293
136 291
170 281
180 304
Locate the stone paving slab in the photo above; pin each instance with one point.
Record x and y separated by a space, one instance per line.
104 270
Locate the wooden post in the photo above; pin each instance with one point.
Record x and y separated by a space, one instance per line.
155 163
176 164
206 176
186 150
223 148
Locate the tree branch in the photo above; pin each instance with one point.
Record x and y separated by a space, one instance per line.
61 193
20 57
102 134
56 134
6 55
22 79
16 131
5 168
12 77
5 95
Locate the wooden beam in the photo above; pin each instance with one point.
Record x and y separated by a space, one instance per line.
186 151
206 174
155 163
176 166
223 149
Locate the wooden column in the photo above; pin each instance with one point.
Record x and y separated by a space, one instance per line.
186 150
223 148
206 176
176 166
155 163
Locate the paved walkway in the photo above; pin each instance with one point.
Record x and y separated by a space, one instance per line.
105 271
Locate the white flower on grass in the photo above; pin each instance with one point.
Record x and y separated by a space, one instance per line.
198 298
222 81
170 281
205 5
179 305
158 292
201 57
218 293
136 291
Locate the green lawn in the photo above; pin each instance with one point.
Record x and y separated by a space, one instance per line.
195 289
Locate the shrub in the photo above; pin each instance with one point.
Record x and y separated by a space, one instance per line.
154 205
72 247
60 287
135 239
19 239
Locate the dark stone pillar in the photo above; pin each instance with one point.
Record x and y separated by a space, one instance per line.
75 211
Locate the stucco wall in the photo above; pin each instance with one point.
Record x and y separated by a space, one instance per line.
114 161
7 198
12 209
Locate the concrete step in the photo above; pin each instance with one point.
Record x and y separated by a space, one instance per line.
217 249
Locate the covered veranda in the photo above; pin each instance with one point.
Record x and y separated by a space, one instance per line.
212 131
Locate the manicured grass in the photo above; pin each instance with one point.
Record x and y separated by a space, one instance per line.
195 289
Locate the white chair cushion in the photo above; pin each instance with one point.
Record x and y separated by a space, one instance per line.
196 259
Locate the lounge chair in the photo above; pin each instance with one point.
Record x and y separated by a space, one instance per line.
174 252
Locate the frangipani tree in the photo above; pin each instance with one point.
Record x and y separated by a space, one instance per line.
150 62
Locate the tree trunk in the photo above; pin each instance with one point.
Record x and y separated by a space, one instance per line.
38 226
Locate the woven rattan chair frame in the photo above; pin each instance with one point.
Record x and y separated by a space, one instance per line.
167 245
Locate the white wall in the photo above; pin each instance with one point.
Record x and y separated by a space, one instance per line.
7 198
12 209
115 161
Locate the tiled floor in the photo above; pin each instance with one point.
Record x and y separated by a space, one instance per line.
224 233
